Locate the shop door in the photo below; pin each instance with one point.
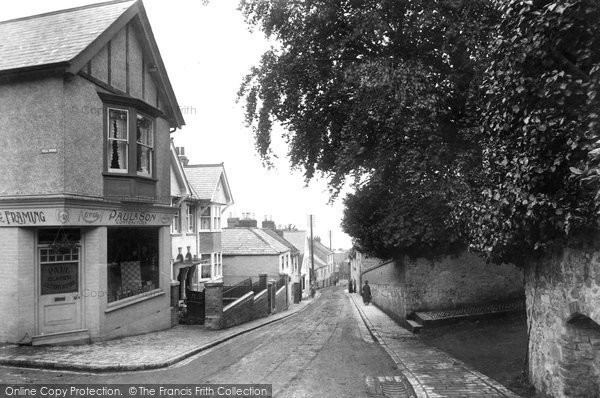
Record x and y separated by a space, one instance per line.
59 290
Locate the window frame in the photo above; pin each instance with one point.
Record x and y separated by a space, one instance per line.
141 115
176 223
131 143
203 217
109 139
190 216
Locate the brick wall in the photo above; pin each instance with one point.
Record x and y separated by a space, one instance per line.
261 305
401 287
563 309
281 303
240 311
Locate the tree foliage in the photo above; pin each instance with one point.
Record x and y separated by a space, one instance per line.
378 90
539 125
461 122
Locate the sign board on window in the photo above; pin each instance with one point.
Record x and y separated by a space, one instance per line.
59 278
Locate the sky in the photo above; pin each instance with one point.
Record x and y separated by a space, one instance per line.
207 50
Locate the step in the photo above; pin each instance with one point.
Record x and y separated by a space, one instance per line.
80 336
413 326
446 317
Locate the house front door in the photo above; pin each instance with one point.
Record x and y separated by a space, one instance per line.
59 290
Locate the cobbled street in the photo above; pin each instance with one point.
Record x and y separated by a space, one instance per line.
324 351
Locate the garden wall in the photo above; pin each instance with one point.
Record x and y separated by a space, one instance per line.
407 285
563 309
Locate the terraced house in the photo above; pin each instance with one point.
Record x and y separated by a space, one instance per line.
85 207
201 194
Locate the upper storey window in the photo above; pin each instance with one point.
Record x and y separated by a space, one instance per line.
118 140
129 153
144 145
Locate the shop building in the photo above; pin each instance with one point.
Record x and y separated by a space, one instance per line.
85 205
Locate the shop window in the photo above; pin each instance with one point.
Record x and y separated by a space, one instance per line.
205 218
133 268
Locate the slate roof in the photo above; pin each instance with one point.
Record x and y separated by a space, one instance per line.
250 241
65 40
321 250
55 37
281 239
204 179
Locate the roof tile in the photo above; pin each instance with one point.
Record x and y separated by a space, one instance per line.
55 37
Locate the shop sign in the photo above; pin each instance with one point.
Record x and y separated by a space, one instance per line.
59 278
81 217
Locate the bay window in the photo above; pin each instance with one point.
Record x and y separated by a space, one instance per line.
175 224
118 140
205 218
144 145
128 153
191 216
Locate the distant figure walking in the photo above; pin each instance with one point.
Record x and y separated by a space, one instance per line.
350 289
366 293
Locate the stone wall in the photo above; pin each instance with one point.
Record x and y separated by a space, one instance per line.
408 285
388 288
281 303
240 311
261 305
455 281
563 310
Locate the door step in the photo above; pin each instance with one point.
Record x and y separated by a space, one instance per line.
413 326
79 336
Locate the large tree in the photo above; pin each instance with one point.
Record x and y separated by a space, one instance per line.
462 122
382 91
539 128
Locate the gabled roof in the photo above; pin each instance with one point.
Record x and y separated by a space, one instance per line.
321 250
177 169
250 242
281 239
64 41
205 178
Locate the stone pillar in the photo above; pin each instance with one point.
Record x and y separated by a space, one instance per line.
262 281
272 291
296 292
213 304
174 302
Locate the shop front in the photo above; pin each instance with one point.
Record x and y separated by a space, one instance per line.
88 272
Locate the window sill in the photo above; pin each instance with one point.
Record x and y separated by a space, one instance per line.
128 175
175 233
117 305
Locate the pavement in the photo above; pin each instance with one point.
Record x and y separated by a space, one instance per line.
430 371
142 352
